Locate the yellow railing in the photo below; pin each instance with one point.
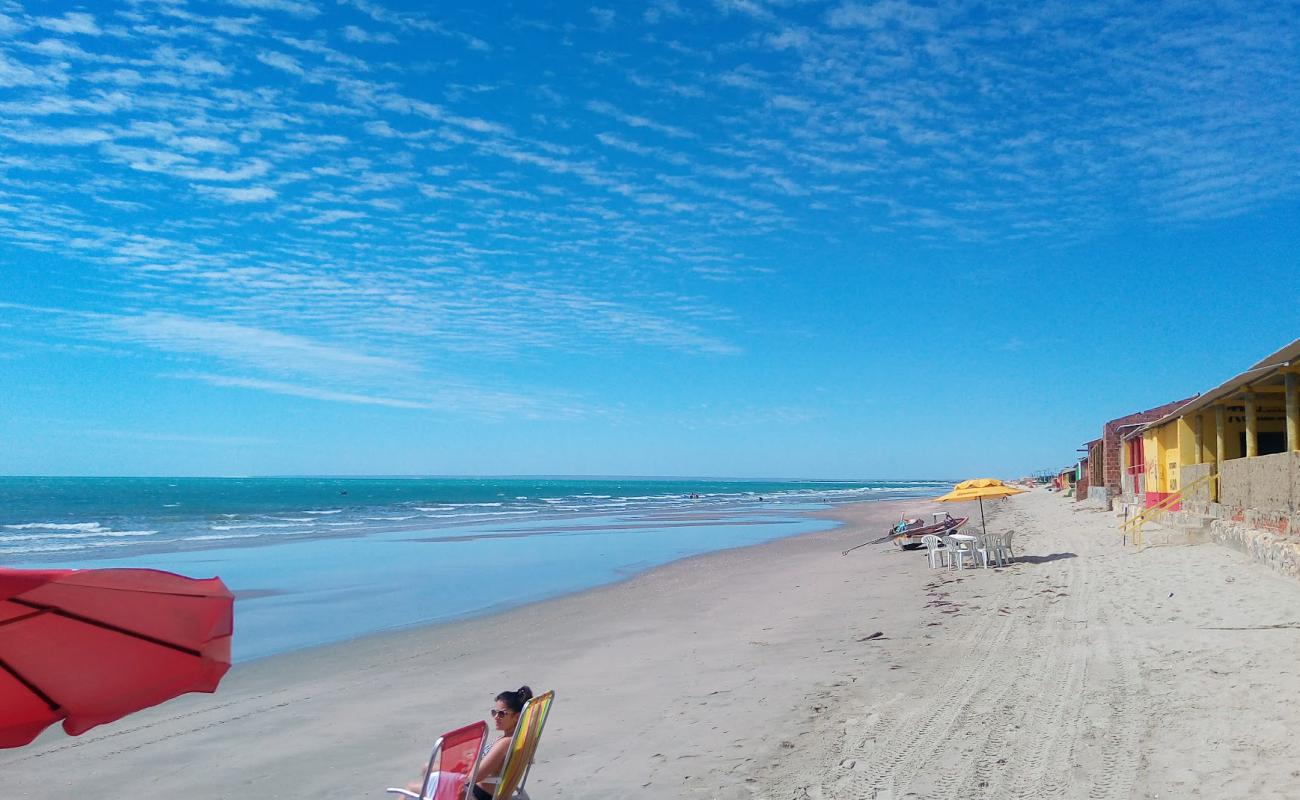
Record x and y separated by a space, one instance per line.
1134 524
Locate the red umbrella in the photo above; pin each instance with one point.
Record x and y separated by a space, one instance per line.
91 646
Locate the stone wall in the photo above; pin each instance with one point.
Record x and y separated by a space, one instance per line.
1273 549
1096 497
1270 482
1189 475
1264 483
1234 483
1258 511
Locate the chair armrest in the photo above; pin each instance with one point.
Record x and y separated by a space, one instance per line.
403 792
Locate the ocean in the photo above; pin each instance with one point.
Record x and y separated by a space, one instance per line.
320 560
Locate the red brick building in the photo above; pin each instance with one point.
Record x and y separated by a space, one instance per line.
1112 434
1090 469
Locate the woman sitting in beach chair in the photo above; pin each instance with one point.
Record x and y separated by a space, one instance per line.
490 761
505 716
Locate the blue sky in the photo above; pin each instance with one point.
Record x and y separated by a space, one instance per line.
738 238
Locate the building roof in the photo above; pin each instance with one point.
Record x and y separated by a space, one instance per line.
1143 417
1263 372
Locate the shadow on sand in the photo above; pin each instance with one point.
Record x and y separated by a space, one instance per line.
1042 559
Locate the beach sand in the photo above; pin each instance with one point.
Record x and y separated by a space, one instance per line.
1083 670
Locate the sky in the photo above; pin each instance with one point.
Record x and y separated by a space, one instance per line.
740 238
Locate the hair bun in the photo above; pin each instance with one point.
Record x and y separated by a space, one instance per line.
525 693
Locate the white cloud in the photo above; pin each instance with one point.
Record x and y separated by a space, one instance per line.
660 10
246 345
56 137
298 8
616 141
9 26
400 208
281 61
787 102
789 39
183 438
71 22
236 26
883 13
255 168
394 102
332 216
15 74
309 392
121 77
610 110
361 36
243 194
145 159
167 56
751 8
414 22
203 144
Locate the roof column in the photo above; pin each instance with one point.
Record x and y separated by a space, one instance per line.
1198 437
1220 431
1292 411
1252 425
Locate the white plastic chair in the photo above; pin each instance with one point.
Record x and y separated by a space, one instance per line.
958 552
935 551
1004 547
989 548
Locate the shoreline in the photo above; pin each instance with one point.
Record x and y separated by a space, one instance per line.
313 591
776 671
363 712
428 627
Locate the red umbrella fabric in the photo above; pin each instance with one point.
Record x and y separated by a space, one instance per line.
91 646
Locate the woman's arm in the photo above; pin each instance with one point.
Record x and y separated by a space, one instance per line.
491 765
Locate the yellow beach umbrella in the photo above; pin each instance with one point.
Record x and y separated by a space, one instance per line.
978 489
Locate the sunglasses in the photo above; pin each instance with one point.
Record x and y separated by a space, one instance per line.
498 713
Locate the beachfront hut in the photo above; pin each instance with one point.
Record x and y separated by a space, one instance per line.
1123 468
1065 478
1246 430
1088 474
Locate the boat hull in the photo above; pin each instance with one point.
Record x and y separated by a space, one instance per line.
910 538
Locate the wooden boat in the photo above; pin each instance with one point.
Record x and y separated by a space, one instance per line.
907 533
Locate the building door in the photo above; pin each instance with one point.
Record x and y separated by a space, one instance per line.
1137 468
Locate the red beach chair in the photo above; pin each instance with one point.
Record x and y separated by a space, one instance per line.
452 765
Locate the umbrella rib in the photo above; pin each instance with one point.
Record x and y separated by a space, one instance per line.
107 626
31 687
23 618
132 590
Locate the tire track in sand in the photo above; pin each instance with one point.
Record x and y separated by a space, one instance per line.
915 735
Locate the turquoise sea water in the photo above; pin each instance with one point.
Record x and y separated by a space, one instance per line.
317 560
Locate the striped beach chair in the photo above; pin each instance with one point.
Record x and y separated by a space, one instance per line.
523 746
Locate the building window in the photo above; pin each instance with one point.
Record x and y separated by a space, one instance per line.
1270 442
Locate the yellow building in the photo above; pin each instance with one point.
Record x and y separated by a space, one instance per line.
1252 416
